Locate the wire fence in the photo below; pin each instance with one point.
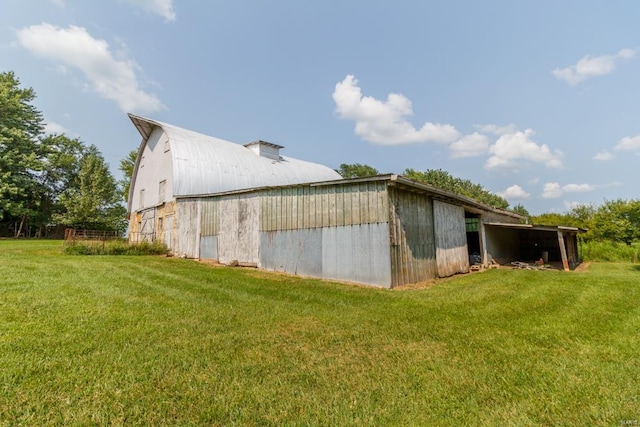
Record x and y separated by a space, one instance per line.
73 236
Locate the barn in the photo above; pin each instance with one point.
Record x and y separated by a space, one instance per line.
247 205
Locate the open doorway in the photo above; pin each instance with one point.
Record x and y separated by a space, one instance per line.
472 225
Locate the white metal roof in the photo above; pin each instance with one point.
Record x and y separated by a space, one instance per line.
203 164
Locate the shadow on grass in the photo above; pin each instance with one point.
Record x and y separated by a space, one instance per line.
636 268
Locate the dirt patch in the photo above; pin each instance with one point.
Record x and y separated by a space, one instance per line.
584 266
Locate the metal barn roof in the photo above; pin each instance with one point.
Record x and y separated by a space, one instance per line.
203 164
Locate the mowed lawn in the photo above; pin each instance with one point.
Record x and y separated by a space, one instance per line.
124 340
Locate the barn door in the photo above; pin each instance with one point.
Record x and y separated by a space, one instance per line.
147 227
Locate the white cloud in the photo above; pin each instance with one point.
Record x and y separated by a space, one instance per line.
571 205
497 130
51 128
74 47
552 190
384 122
59 3
577 188
514 192
591 66
162 8
513 148
628 144
603 156
470 146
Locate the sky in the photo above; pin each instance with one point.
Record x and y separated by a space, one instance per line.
535 101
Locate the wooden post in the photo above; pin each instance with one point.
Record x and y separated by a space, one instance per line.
563 251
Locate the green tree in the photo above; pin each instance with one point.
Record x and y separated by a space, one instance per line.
618 221
521 210
356 170
20 151
126 167
95 202
443 180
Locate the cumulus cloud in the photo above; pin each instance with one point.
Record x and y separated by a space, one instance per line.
497 130
553 190
628 144
578 188
73 47
513 148
51 128
162 8
470 146
515 192
603 156
385 122
591 66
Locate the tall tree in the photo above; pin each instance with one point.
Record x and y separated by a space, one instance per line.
126 167
356 170
20 151
95 202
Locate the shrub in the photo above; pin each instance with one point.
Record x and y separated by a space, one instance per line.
115 247
610 251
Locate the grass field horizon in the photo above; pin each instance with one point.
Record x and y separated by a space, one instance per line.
151 340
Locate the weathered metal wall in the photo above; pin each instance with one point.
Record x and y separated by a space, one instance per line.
330 231
187 228
294 208
412 243
452 255
355 253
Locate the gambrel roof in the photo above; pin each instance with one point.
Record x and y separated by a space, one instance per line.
204 164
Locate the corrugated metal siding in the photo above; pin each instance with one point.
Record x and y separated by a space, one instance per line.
304 207
187 226
452 255
210 218
355 253
412 243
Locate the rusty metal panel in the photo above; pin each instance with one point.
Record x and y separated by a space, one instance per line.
452 254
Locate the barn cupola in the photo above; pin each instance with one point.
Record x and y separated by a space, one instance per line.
265 149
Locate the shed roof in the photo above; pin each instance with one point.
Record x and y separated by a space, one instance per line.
204 164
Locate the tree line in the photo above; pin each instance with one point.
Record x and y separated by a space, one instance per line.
49 182
615 221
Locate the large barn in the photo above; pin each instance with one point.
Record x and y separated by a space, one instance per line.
247 205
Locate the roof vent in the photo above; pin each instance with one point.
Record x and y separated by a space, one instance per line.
265 149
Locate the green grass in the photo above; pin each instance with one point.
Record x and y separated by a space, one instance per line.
143 340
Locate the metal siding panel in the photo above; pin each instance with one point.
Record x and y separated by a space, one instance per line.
452 255
209 247
357 253
292 251
411 241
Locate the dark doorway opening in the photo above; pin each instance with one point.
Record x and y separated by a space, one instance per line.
472 224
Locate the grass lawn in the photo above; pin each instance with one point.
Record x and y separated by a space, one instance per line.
125 340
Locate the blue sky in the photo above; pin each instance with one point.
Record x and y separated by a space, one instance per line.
536 101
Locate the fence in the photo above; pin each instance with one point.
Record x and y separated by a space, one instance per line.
90 237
